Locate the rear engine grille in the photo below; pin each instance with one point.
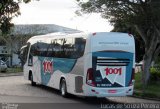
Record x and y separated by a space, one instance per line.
112 62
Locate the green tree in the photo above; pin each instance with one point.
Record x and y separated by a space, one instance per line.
8 10
143 15
139 43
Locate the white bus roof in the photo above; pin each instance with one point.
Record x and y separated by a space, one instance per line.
80 34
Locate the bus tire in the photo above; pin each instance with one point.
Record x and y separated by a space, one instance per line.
32 82
63 88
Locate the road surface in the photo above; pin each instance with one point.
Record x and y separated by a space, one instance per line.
18 92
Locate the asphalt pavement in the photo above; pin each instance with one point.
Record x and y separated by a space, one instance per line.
16 91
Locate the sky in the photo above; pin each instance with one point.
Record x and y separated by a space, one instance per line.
60 12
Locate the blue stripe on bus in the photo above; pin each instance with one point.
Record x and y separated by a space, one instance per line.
62 64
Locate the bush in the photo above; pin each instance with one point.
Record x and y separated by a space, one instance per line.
155 73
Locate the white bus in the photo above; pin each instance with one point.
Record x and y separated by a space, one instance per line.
85 64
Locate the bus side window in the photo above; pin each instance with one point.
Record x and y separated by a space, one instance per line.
79 47
34 49
58 48
30 58
23 54
43 50
50 49
68 47
39 49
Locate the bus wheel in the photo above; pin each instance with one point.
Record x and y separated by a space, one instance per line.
32 82
63 88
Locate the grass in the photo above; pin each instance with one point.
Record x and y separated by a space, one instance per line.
14 70
152 90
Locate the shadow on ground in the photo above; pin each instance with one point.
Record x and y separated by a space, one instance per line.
87 100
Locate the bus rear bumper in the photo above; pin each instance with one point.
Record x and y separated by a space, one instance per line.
108 92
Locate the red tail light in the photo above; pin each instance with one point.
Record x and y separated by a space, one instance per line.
90 78
132 77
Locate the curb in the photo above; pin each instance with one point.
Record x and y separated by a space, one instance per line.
11 74
147 98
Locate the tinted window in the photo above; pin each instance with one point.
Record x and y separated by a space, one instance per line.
68 47
39 49
60 48
24 53
79 47
51 51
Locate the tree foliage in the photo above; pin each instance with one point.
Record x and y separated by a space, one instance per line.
139 43
142 15
8 10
